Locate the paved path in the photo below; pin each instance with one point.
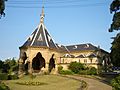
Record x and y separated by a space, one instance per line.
93 84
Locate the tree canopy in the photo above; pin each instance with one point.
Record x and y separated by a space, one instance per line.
114 8
2 8
115 49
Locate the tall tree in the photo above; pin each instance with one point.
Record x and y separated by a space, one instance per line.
2 7
115 49
114 8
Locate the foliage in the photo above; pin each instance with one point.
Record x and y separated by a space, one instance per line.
92 71
116 83
83 72
66 72
13 69
9 66
12 77
115 7
60 68
1 63
3 76
5 68
115 51
89 71
4 87
76 67
2 7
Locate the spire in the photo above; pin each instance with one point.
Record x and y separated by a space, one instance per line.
42 16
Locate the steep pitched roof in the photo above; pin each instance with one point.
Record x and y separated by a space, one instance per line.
40 37
62 47
81 47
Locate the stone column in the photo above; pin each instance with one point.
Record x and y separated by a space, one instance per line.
30 68
47 67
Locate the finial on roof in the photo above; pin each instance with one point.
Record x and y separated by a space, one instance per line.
42 15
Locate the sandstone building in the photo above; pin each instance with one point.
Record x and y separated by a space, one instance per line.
41 54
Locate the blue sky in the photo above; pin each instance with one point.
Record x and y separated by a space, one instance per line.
68 21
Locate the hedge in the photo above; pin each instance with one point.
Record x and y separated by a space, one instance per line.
3 76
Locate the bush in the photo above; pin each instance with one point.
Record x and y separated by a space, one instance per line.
12 77
76 67
66 72
3 76
4 87
89 71
92 71
116 83
60 69
83 72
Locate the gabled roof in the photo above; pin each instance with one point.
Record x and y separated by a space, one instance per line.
81 47
92 55
80 56
40 37
62 48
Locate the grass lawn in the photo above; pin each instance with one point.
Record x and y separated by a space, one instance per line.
51 82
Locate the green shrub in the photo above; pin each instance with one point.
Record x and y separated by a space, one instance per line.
60 68
12 77
92 71
83 72
4 87
89 71
116 83
66 72
3 76
76 67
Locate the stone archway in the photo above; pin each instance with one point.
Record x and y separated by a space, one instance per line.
38 62
51 63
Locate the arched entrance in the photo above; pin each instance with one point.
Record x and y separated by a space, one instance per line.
38 62
51 63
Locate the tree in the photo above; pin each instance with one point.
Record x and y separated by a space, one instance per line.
115 49
5 68
2 7
1 64
115 7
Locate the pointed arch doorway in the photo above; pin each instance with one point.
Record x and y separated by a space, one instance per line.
38 62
